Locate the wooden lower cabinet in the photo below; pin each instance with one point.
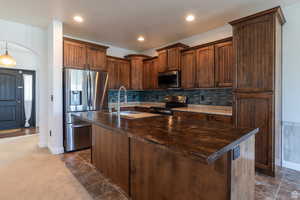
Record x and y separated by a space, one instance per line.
147 171
110 155
159 174
256 110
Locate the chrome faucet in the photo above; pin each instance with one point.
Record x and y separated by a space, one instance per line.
119 98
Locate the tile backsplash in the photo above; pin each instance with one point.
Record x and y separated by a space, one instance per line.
220 97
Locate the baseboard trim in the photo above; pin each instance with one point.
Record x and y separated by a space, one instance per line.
3 140
291 165
56 150
42 144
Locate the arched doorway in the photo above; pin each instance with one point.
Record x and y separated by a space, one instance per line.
18 93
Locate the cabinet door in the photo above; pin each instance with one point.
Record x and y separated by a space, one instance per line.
224 64
147 74
110 155
254 110
154 74
124 73
113 73
159 174
137 73
96 58
173 59
254 54
188 69
205 67
162 61
74 54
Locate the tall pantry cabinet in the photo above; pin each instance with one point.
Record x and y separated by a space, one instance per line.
257 83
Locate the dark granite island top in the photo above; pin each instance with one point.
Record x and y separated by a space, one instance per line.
173 157
205 141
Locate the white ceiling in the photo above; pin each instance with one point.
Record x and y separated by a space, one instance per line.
119 22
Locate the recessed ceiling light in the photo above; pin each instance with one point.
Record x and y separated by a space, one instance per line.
141 39
190 18
78 19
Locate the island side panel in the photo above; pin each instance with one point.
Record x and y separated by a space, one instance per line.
160 174
110 155
243 172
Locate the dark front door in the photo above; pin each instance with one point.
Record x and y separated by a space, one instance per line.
11 99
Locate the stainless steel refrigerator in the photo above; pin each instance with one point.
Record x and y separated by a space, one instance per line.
84 90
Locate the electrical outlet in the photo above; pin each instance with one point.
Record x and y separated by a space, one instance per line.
202 98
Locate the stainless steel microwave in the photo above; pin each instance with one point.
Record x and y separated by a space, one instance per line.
170 79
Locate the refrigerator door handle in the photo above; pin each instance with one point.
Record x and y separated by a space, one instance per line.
89 89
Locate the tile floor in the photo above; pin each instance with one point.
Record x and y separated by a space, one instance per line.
286 185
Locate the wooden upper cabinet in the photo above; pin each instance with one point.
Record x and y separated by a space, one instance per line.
137 69
162 61
205 67
74 54
96 58
255 51
147 74
169 58
154 72
113 73
118 72
188 69
124 73
174 58
84 55
150 79
224 64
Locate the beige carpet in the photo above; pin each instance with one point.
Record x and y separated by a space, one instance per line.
30 173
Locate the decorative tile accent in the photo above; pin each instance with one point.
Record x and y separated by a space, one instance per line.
218 97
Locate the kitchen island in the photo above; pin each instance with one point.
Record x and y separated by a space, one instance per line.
173 157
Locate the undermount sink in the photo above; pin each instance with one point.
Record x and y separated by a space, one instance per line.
134 114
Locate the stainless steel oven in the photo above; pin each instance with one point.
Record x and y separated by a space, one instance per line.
170 79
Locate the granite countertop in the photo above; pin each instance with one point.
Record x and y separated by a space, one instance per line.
207 109
201 140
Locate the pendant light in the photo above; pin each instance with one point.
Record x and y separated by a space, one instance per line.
6 59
